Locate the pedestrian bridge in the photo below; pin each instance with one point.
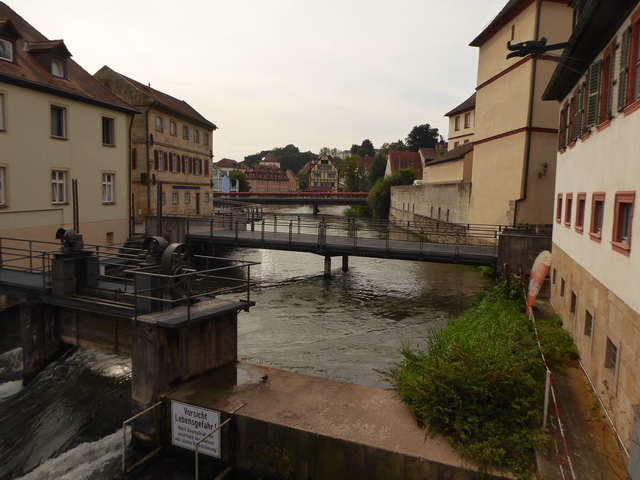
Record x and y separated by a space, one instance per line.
339 236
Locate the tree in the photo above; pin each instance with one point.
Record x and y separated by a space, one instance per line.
398 146
378 167
379 199
303 177
243 183
353 174
422 136
368 148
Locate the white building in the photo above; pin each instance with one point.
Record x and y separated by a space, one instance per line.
596 238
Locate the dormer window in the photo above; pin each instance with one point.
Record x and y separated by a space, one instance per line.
57 67
6 50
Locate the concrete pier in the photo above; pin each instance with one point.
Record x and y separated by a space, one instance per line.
295 426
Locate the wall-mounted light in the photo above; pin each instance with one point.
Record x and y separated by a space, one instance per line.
545 167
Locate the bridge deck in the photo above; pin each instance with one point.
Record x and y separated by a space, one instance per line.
343 245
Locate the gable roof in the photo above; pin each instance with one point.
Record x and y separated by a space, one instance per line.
162 100
508 12
455 154
26 71
428 153
468 104
398 160
599 22
228 163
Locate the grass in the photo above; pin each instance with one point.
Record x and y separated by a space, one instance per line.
480 381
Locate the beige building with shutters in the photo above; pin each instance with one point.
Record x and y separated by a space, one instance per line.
170 143
595 269
58 124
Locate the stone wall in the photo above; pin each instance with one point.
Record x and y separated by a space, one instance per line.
448 202
600 324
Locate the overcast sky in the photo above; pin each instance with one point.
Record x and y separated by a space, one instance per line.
314 73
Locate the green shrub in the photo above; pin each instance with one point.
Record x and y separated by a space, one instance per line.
480 383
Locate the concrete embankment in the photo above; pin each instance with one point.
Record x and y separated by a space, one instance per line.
294 426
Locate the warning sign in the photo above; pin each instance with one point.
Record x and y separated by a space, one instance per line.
190 424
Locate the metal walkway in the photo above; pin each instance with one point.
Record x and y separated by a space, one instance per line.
440 243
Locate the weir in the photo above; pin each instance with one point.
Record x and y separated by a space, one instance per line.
183 343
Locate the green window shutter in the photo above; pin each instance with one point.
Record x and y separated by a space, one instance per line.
594 93
624 69
579 111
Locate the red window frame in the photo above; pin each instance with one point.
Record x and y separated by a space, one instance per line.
594 234
467 120
618 242
632 103
559 208
567 210
457 123
581 205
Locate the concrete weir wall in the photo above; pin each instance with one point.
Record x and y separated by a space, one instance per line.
289 426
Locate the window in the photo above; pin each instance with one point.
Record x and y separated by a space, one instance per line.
2 112
580 208
559 208
108 134
593 94
574 302
563 284
196 135
623 74
58 186
159 160
58 122
205 138
173 128
588 323
633 90
57 67
207 197
457 123
6 50
197 166
622 220
187 165
108 182
175 164
187 197
159 124
3 186
164 198
568 210
607 84
597 214
554 274
455 144
185 132
175 198
467 120
611 356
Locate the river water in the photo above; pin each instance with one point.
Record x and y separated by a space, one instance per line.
67 423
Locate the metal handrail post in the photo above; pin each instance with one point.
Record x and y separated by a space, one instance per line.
421 243
211 227
298 224
236 238
275 224
355 238
387 243
262 233
124 433
290 234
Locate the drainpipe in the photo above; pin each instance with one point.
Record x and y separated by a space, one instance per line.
146 160
132 207
528 127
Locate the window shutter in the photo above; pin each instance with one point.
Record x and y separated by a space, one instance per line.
561 135
594 93
612 64
155 159
571 117
579 111
190 164
134 159
624 68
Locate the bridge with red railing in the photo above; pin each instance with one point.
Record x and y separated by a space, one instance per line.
297 198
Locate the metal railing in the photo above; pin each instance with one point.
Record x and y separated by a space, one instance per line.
147 457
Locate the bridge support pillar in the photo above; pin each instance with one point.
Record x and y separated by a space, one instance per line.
345 263
40 342
316 210
327 267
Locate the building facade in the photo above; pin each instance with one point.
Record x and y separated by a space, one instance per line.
324 175
58 124
596 236
515 131
221 182
462 122
171 146
266 176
